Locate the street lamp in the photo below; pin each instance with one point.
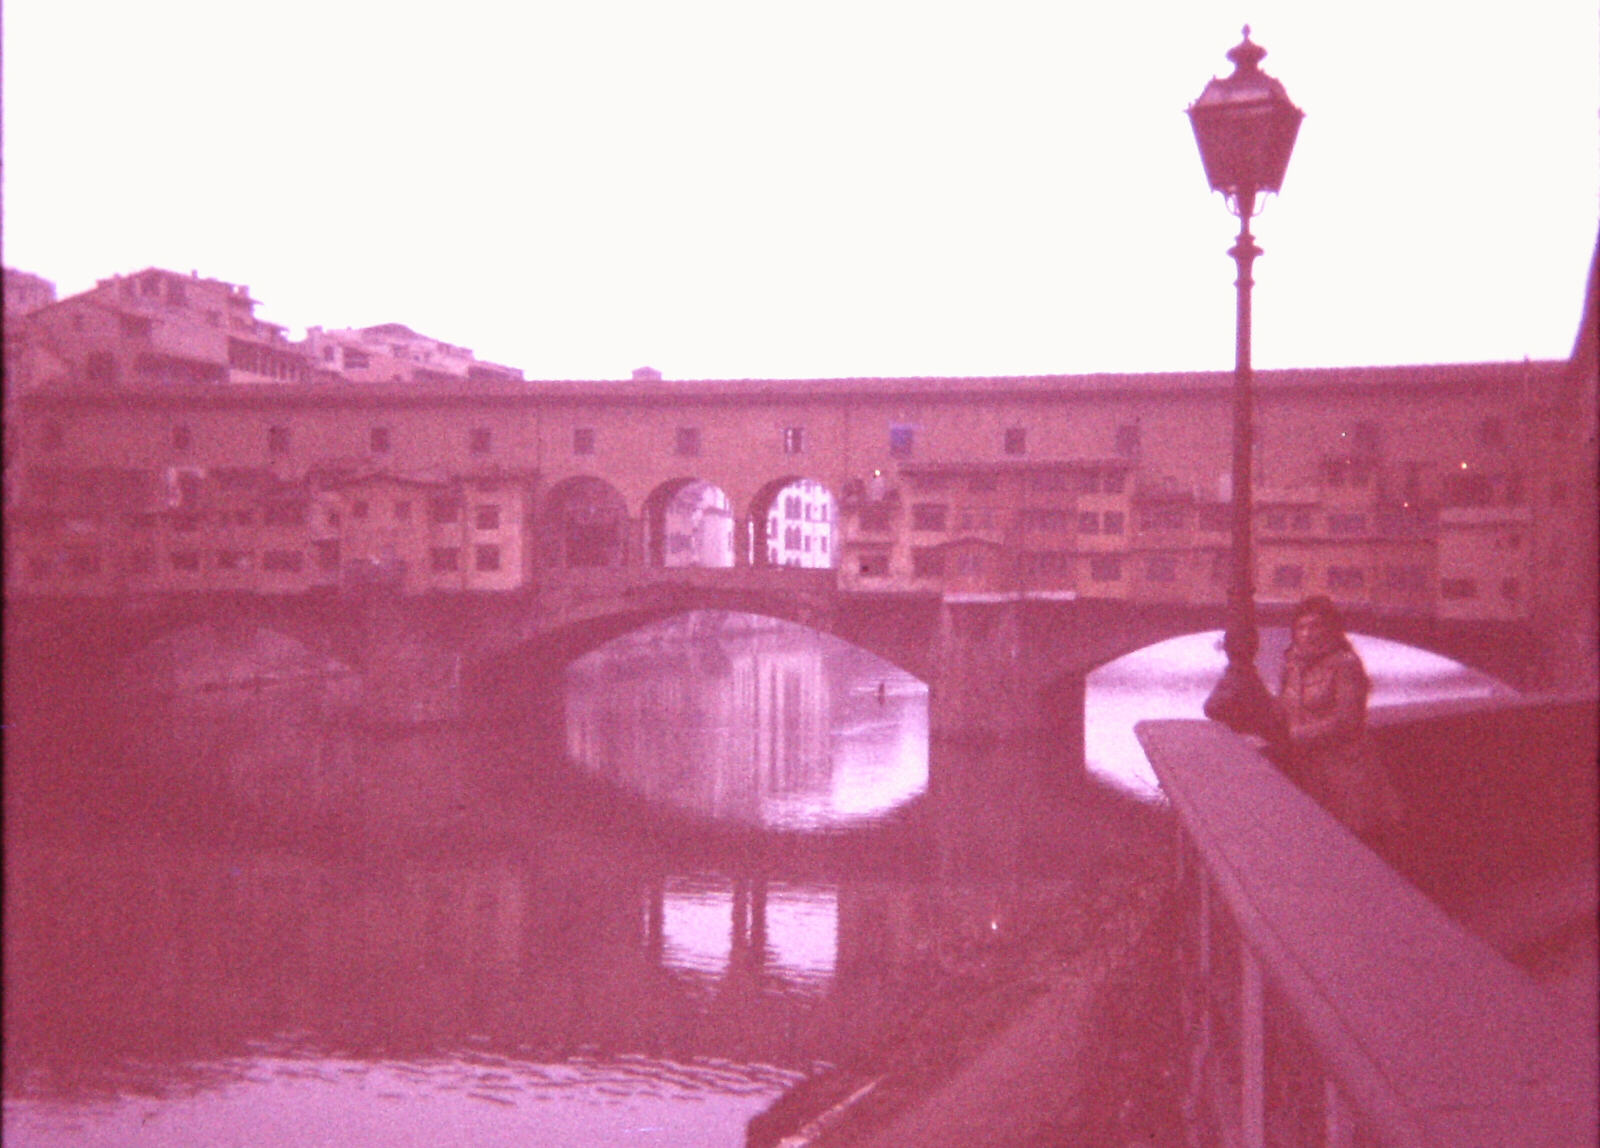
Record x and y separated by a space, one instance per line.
1245 126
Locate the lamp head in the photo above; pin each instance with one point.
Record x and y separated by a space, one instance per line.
1245 126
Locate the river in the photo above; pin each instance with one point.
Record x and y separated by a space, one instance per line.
237 915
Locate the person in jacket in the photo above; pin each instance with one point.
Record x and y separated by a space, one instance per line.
1323 704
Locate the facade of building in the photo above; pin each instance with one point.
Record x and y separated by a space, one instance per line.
1424 490
394 353
155 329
800 527
161 438
26 292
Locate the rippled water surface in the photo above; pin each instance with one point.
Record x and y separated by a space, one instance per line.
240 916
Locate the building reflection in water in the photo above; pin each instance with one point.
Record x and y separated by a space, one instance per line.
245 916
734 716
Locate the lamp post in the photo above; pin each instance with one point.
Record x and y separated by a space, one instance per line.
1245 126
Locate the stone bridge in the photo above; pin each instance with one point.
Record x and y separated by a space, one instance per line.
999 666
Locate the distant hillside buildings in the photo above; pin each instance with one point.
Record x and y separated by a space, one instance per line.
157 328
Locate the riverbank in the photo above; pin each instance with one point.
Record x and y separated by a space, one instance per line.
1057 1033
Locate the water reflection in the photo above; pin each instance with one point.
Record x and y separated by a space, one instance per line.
241 917
1173 678
738 717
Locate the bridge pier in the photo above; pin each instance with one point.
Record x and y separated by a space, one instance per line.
410 671
986 687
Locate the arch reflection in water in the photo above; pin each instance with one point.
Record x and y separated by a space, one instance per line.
1171 679
788 931
751 719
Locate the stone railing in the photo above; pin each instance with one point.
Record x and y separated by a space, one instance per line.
1327 1000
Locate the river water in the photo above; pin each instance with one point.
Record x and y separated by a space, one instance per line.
239 916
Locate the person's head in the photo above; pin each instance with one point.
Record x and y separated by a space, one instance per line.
1316 624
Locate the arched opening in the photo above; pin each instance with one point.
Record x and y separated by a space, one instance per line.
749 718
689 522
794 523
585 524
1172 679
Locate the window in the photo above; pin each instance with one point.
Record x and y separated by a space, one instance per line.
1105 568
875 517
1346 578
402 510
927 563
1113 522
1157 518
1492 432
1288 577
444 508
141 561
444 559
51 436
327 553
583 440
983 483
1216 517
873 563
187 561
182 437
1127 444
232 560
928 515
355 360
358 510
486 517
791 538
902 439
1088 522
1300 521
82 563
1161 568
487 557
284 513
101 368
1016 440
1510 589
186 523
284 561
1047 480
1409 579
794 440
688 442
277 440
1089 482
1457 589
791 506
480 440
380 440
1054 521
1347 523
1114 482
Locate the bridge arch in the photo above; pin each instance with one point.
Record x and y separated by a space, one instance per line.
688 522
794 522
584 524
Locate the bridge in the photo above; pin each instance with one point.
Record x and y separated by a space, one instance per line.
1000 666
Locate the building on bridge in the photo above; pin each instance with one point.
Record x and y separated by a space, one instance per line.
1456 491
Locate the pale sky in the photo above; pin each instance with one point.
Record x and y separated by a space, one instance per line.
825 189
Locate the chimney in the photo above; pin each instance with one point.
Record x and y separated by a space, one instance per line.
646 375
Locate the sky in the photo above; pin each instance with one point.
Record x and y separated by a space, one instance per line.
828 189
